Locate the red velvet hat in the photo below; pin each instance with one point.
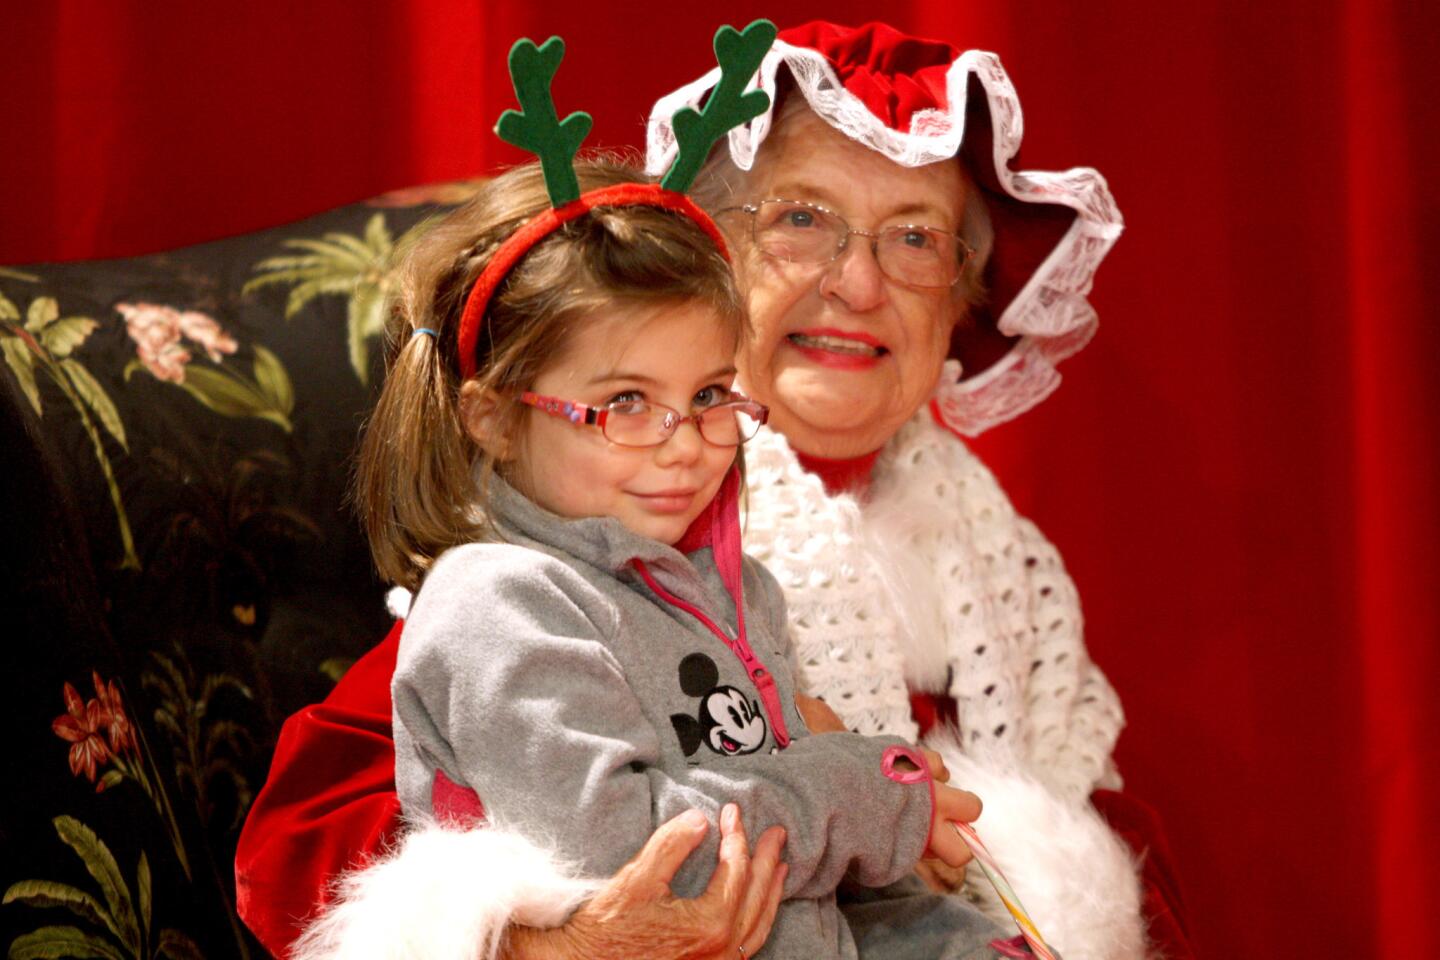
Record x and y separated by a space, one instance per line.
923 101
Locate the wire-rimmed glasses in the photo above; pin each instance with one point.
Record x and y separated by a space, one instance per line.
793 231
640 423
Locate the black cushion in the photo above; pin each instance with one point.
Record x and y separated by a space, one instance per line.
175 528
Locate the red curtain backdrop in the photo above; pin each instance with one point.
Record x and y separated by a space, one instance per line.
1241 471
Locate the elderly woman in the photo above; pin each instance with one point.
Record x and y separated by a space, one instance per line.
900 297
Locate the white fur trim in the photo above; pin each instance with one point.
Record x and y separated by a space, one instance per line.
444 894
397 601
1075 877
1050 314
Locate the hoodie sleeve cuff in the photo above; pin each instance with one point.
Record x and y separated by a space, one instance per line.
921 773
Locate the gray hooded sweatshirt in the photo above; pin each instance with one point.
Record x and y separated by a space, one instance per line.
590 684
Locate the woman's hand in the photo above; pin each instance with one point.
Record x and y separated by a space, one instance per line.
636 915
818 716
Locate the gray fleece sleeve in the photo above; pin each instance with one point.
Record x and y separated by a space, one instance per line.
505 682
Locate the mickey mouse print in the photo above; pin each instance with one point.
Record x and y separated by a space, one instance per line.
727 720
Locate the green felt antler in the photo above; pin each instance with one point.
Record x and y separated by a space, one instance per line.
536 127
739 54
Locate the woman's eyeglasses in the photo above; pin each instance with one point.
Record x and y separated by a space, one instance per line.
793 231
639 423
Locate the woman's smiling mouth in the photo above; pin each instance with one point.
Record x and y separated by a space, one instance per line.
839 348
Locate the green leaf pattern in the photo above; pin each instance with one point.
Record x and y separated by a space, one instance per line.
47 342
96 399
177 946
360 268
43 312
233 396
21 363
46 893
105 871
116 915
272 380
55 943
202 746
63 336
336 667
142 881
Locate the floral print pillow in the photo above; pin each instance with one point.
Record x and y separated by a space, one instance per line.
182 570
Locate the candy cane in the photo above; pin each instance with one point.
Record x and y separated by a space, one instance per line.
1007 893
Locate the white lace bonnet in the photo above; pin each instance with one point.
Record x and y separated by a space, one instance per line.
913 100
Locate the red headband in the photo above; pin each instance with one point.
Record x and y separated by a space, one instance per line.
541 226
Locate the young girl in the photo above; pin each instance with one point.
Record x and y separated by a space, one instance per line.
588 651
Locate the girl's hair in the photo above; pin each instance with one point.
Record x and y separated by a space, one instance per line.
416 485
721 185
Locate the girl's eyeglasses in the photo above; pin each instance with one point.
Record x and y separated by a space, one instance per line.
639 423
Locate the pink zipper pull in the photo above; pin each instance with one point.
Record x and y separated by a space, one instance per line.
770 694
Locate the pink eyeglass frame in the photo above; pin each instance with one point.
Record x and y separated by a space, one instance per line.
583 414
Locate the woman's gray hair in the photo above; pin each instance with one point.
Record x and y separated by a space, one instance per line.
722 185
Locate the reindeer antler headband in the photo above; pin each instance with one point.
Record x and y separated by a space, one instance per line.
537 128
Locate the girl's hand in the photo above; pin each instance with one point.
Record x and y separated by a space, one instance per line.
818 716
636 915
940 877
945 843
936 763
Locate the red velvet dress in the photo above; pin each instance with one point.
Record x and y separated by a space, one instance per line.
329 803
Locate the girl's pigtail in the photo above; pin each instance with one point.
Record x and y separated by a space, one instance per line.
413 483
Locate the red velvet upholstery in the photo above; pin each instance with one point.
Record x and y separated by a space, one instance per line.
329 802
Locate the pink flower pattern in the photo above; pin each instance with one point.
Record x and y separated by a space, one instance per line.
101 735
202 329
98 731
81 724
121 734
156 330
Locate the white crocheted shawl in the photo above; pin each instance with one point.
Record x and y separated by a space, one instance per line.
936 582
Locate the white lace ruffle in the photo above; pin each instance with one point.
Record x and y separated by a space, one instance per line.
1050 314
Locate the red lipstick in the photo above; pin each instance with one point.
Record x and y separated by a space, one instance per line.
829 355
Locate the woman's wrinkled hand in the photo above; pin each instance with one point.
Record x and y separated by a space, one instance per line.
636 915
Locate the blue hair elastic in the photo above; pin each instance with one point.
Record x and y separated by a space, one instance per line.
419 330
